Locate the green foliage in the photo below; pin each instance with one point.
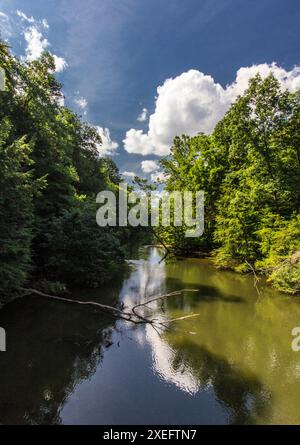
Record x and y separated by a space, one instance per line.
50 172
249 169
280 246
261 164
16 193
279 239
194 164
286 277
80 252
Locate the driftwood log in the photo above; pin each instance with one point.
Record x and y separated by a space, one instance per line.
131 315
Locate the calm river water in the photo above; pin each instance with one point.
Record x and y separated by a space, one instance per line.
231 364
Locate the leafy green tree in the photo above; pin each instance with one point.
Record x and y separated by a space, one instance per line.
16 194
46 148
80 253
262 160
250 172
195 164
280 247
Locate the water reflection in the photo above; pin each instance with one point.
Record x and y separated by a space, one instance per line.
50 349
166 365
231 364
241 349
178 360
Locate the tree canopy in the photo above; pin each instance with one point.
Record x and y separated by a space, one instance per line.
249 169
51 169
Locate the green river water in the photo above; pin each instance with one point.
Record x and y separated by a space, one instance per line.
233 363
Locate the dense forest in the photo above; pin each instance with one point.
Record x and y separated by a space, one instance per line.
50 173
249 169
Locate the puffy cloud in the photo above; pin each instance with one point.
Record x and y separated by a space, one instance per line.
193 102
159 177
289 80
60 63
36 43
129 174
143 116
149 166
108 147
32 30
138 142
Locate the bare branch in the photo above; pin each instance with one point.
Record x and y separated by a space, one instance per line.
255 278
130 315
183 318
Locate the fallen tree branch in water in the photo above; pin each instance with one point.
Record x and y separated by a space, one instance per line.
115 312
130 315
183 318
255 277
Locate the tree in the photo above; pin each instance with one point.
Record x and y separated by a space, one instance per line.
16 193
250 172
51 170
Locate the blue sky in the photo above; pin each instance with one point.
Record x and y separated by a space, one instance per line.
119 51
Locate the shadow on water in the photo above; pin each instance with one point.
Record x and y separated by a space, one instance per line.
51 346
243 396
204 294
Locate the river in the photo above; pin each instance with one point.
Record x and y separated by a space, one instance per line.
232 364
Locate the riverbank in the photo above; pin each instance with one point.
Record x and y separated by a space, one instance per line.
284 275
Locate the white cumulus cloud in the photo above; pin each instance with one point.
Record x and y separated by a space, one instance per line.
193 102
128 174
142 117
159 176
36 43
108 147
149 166
60 63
